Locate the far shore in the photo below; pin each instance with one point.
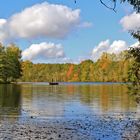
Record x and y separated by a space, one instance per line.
75 82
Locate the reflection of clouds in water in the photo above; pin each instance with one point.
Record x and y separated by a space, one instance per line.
43 107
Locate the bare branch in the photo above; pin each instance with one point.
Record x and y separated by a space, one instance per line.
114 7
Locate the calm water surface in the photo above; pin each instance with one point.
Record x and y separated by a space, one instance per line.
73 100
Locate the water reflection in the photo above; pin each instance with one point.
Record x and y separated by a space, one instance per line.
10 101
108 98
104 109
40 100
76 100
134 91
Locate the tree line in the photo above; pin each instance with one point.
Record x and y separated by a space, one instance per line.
123 67
108 68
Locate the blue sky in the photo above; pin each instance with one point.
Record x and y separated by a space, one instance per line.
94 25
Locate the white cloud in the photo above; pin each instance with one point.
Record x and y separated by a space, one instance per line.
2 23
137 44
44 51
85 25
3 31
117 46
41 20
131 22
105 46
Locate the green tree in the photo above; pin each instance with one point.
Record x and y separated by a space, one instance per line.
134 71
10 63
14 62
3 64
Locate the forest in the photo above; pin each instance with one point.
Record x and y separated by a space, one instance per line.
109 68
123 67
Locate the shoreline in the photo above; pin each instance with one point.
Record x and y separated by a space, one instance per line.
66 83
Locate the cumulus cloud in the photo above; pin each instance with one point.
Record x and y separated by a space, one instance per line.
44 51
131 22
105 46
41 20
3 31
2 24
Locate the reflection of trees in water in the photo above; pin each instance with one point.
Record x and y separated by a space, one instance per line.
10 100
134 91
107 97
102 97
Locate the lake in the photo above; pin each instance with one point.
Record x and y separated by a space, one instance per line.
68 101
